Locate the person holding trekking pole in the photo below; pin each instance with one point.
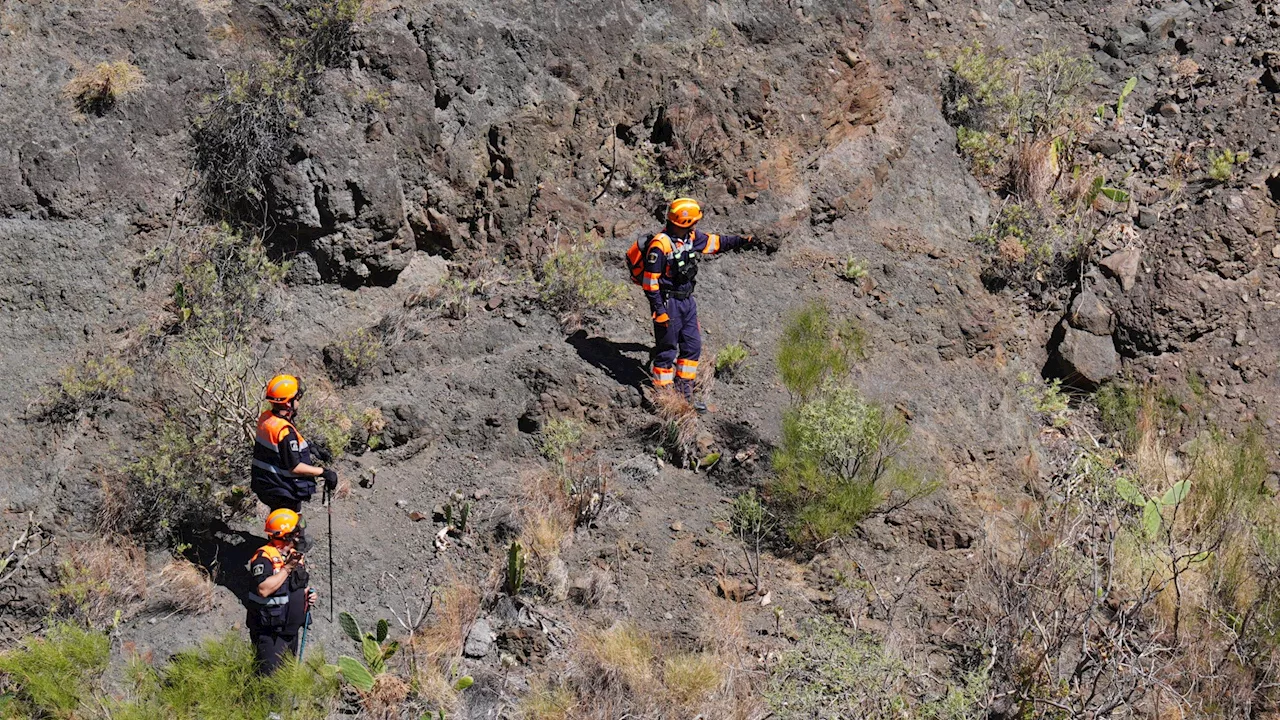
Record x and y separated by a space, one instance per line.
281 600
283 474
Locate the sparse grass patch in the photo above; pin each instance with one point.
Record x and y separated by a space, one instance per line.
185 587
101 583
456 608
729 361
572 282
547 702
102 87
618 663
677 426
815 347
834 674
353 356
84 387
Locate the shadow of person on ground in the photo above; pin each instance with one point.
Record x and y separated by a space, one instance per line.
224 552
609 356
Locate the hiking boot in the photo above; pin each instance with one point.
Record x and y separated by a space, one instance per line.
700 407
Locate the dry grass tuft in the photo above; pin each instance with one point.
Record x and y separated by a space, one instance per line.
548 703
186 587
456 609
386 698
691 678
679 423
547 521
100 578
99 89
615 668
1035 169
434 686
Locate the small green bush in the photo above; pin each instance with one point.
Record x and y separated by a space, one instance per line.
84 387
1118 405
353 356
243 136
1048 399
814 347
177 484
853 269
985 150
558 438
331 426
1222 164
839 461
224 283
730 359
52 674
572 282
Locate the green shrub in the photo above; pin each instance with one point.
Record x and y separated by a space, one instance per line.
248 127
558 438
1118 404
52 674
985 150
177 484
217 680
331 426
1047 399
329 31
730 359
980 90
1019 250
814 347
243 136
224 283
353 356
839 461
572 282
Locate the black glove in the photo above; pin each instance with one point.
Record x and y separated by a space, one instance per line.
330 479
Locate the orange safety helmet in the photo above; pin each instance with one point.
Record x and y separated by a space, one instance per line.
281 522
684 212
283 389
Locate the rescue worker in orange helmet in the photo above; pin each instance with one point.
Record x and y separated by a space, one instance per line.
670 269
283 475
278 603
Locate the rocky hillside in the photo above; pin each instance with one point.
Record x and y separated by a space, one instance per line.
1047 232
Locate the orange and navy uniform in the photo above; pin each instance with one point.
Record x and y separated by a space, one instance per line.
669 288
277 450
274 621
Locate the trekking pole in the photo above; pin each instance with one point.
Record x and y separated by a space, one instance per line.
302 645
328 504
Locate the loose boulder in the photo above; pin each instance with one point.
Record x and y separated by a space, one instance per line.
1086 360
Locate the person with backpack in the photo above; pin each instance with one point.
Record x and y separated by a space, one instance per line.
666 267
